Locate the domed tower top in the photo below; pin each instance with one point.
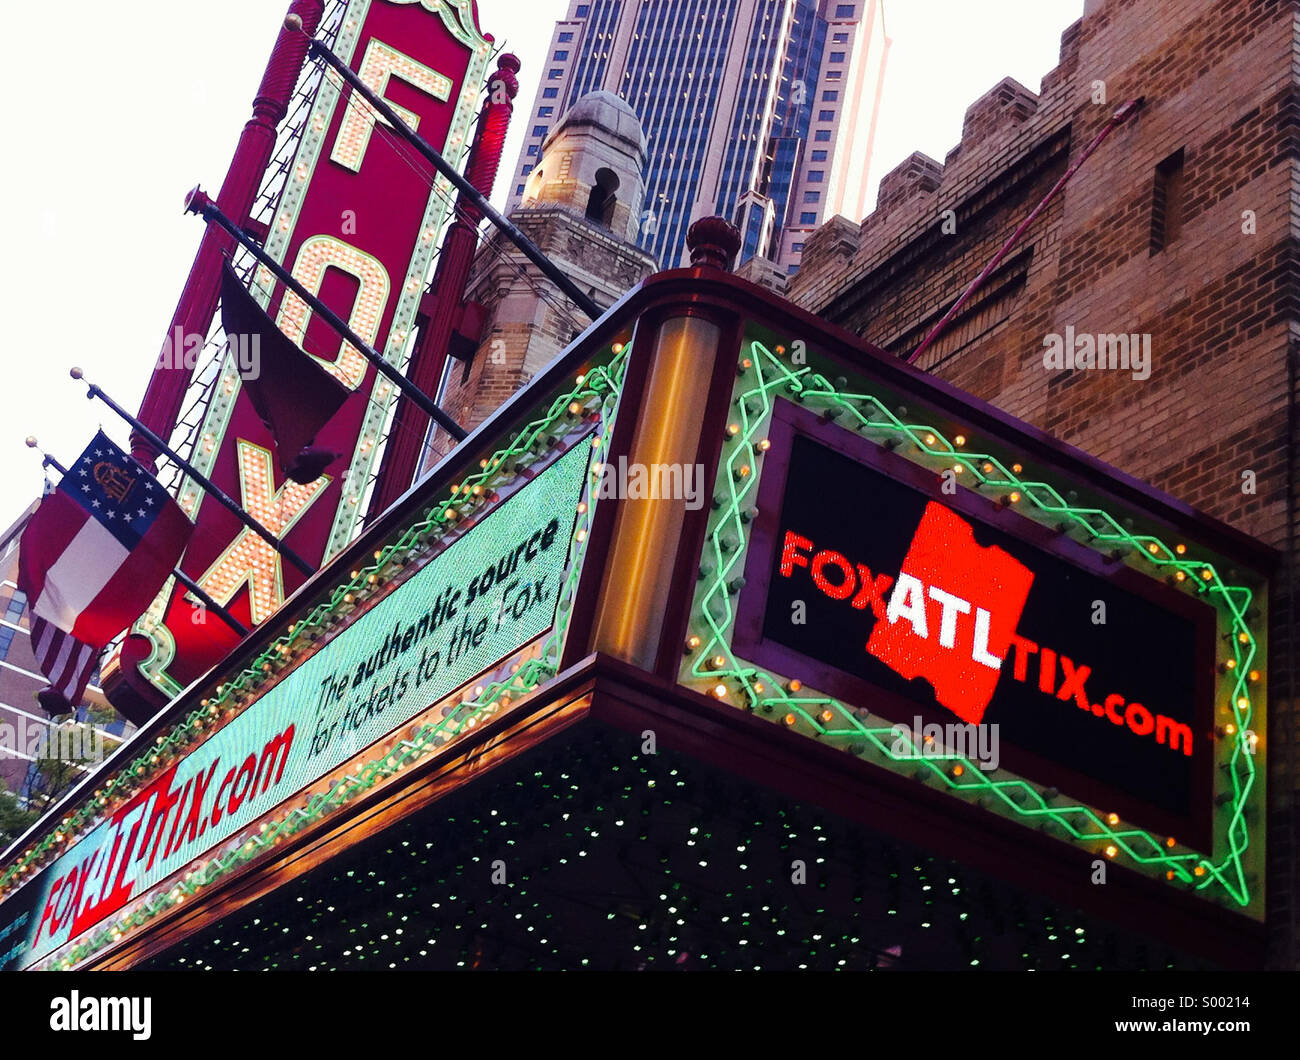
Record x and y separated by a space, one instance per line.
609 112
593 164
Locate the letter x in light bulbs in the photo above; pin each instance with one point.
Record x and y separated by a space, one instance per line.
249 560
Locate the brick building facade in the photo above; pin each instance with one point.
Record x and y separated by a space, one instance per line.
1183 227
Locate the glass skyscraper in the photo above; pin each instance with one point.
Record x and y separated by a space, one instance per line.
762 111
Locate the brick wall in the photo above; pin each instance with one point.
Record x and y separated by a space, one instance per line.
1221 82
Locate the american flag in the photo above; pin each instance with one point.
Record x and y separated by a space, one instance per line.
66 662
91 560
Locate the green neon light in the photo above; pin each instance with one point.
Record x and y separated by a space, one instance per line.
768 376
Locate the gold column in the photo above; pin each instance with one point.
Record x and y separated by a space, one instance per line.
634 594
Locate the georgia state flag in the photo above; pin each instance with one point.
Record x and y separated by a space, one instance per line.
91 560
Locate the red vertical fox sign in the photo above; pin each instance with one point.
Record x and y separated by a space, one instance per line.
357 223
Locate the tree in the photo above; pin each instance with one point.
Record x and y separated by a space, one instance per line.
14 820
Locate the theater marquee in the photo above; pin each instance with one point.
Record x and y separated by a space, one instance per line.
873 595
456 608
490 593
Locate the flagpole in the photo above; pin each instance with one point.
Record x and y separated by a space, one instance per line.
530 249
177 573
204 482
199 203
165 395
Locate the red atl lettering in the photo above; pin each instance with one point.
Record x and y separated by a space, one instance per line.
116 871
953 613
163 804
979 592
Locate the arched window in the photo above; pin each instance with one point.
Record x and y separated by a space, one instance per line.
604 197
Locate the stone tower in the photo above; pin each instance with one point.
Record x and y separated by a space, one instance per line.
581 206
592 164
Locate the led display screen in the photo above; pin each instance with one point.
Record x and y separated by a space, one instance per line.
872 582
487 595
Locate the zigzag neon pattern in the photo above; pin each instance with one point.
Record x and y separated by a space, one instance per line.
764 375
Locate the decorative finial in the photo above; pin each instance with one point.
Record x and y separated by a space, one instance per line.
196 200
714 243
76 373
508 66
293 23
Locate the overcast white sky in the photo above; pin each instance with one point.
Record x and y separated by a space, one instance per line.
115 110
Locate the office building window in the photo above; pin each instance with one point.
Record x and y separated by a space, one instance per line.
835 75
545 112
816 176
532 150
14 614
519 190
527 169
830 96
561 56
583 11
812 196
555 75
807 218
826 115
550 93
843 10
539 130
566 38
837 57
822 136
840 38
819 156
797 248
